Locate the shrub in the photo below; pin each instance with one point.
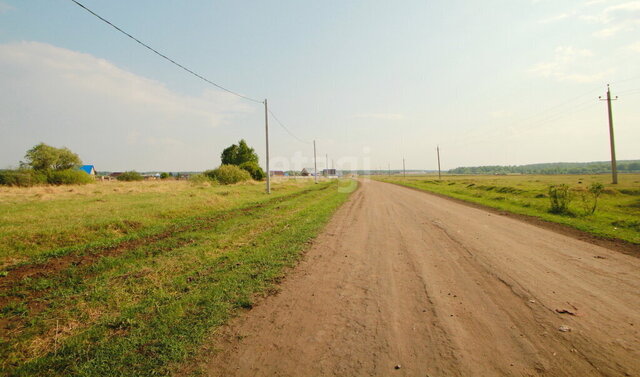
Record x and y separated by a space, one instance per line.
69 177
595 190
130 176
22 178
560 197
228 174
164 175
254 169
200 179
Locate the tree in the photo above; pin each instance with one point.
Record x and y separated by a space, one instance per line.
238 154
66 159
254 169
43 157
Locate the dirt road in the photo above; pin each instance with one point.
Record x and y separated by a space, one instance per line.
406 278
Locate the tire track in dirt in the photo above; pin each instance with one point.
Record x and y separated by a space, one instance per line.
406 278
83 258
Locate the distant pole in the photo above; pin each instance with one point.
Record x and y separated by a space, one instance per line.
404 171
438 150
266 131
389 169
326 156
614 168
315 162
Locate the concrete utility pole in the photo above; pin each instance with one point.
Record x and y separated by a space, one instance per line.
266 131
438 150
315 162
614 168
404 171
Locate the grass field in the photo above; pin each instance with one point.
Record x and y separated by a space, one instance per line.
617 216
119 279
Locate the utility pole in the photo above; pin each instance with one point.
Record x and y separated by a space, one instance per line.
389 169
266 131
404 171
614 168
438 150
315 162
326 156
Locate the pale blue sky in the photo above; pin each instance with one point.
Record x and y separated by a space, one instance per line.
492 82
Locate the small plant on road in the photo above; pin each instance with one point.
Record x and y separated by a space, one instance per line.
560 197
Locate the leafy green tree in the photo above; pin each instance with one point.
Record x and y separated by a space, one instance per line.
238 154
254 169
164 175
43 157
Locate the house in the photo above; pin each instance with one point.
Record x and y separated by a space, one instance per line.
329 172
277 173
304 173
89 169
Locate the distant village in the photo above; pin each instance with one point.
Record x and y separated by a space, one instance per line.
112 176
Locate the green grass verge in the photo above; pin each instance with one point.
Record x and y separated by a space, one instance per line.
146 309
617 216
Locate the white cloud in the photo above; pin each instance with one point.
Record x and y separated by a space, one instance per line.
634 47
4 7
565 65
110 116
617 18
499 114
558 17
383 116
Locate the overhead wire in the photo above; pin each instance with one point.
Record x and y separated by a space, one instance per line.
542 115
287 129
163 55
190 71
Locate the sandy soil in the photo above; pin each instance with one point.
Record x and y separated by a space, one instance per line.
404 278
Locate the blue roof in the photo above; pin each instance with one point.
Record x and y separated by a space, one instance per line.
86 168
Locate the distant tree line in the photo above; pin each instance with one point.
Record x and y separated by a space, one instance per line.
632 166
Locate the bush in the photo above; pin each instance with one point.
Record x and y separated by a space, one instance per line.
164 175
69 177
130 176
560 197
200 179
22 178
228 174
254 169
595 190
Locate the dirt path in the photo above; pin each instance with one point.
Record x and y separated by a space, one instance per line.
442 289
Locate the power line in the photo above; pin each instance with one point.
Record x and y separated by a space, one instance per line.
560 106
625 80
163 55
190 71
287 129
